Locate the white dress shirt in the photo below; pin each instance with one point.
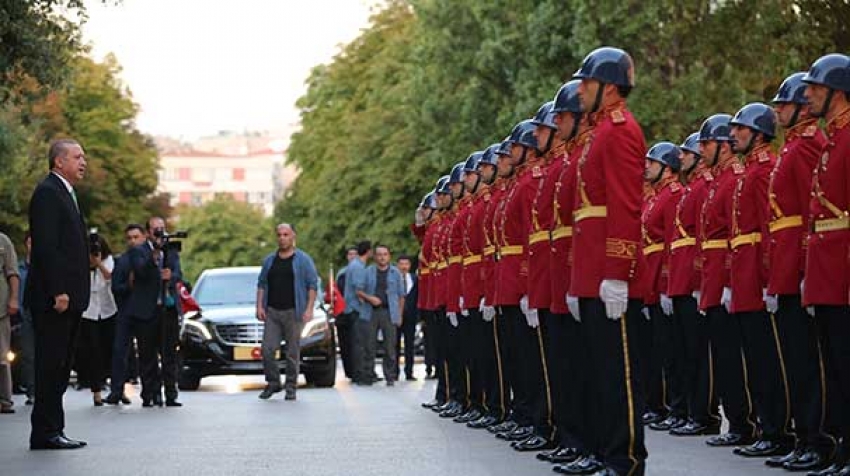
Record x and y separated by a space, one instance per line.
101 303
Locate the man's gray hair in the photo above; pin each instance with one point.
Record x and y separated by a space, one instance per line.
286 225
59 148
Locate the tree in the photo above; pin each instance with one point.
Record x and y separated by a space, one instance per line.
223 232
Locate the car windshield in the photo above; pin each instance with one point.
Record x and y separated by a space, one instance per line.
227 290
231 289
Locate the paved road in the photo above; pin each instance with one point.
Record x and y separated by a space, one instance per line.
225 430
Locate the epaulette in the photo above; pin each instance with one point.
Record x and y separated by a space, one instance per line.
537 172
675 187
810 131
738 169
617 116
763 157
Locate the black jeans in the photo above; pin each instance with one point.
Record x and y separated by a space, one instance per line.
407 331
169 335
95 344
345 337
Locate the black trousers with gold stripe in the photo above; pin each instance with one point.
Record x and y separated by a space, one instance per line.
616 398
766 372
834 332
691 329
490 368
458 382
474 344
566 355
509 337
540 377
732 389
807 381
440 335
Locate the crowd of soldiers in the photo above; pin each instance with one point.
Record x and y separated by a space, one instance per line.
581 287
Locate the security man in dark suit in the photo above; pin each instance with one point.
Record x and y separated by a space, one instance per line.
410 315
57 290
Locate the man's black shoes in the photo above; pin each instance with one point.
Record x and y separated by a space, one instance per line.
762 449
693 428
172 402
534 443
58 442
483 422
668 423
729 439
584 465
651 417
471 415
270 390
809 460
432 403
565 455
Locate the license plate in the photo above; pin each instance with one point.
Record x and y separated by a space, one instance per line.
251 353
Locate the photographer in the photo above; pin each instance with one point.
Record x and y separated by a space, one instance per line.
97 328
166 252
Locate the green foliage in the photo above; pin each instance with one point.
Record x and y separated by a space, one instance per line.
432 80
223 232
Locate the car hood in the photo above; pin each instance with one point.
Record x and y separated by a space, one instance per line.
229 314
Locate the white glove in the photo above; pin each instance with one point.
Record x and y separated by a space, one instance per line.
809 309
523 304
615 294
645 312
697 295
771 301
726 299
487 312
666 305
452 318
463 310
532 319
572 305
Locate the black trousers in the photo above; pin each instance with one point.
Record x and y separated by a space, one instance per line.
521 346
472 343
55 336
169 339
488 368
439 334
672 362
147 334
766 373
566 355
505 347
543 381
95 342
834 333
652 338
458 381
690 329
407 331
616 397
801 351
430 333
345 335
732 386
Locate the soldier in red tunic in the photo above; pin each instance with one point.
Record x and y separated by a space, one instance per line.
715 294
662 168
428 260
788 194
753 128
690 327
568 350
606 243
827 283
513 219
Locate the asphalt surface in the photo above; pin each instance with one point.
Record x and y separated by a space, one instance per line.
223 429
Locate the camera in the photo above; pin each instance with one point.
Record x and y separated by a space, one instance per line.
94 242
170 241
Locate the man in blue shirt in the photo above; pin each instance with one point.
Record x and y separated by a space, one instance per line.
286 294
384 296
344 323
357 312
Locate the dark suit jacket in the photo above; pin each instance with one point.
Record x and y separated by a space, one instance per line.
146 290
411 312
121 280
60 249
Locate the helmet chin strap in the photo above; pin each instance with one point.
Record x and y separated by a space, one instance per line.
749 147
576 121
690 169
795 116
826 103
658 176
598 101
477 183
716 154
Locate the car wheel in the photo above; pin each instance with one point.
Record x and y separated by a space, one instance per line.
324 378
189 379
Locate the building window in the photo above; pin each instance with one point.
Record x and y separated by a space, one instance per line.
185 197
197 199
184 173
239 174
204 175
239 196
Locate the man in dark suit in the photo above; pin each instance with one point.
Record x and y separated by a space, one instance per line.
410 315
57 290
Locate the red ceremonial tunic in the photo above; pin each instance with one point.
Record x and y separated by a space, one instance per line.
828 251
472 283
513 219
609 194
488 269
685 258
441 276
427 258
658 217
456 251
539 233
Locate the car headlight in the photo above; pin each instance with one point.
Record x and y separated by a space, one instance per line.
197 329
314 327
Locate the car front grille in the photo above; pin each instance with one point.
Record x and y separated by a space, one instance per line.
235 334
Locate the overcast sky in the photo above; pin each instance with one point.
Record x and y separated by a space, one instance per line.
199 66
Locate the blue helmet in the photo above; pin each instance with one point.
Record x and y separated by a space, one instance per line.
758 117
545 116
716 128
489 156
523 134
691 144
832 71
456 175
504 147
665 153
792 90
608 65
429 200
471 164
567 100
442 185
